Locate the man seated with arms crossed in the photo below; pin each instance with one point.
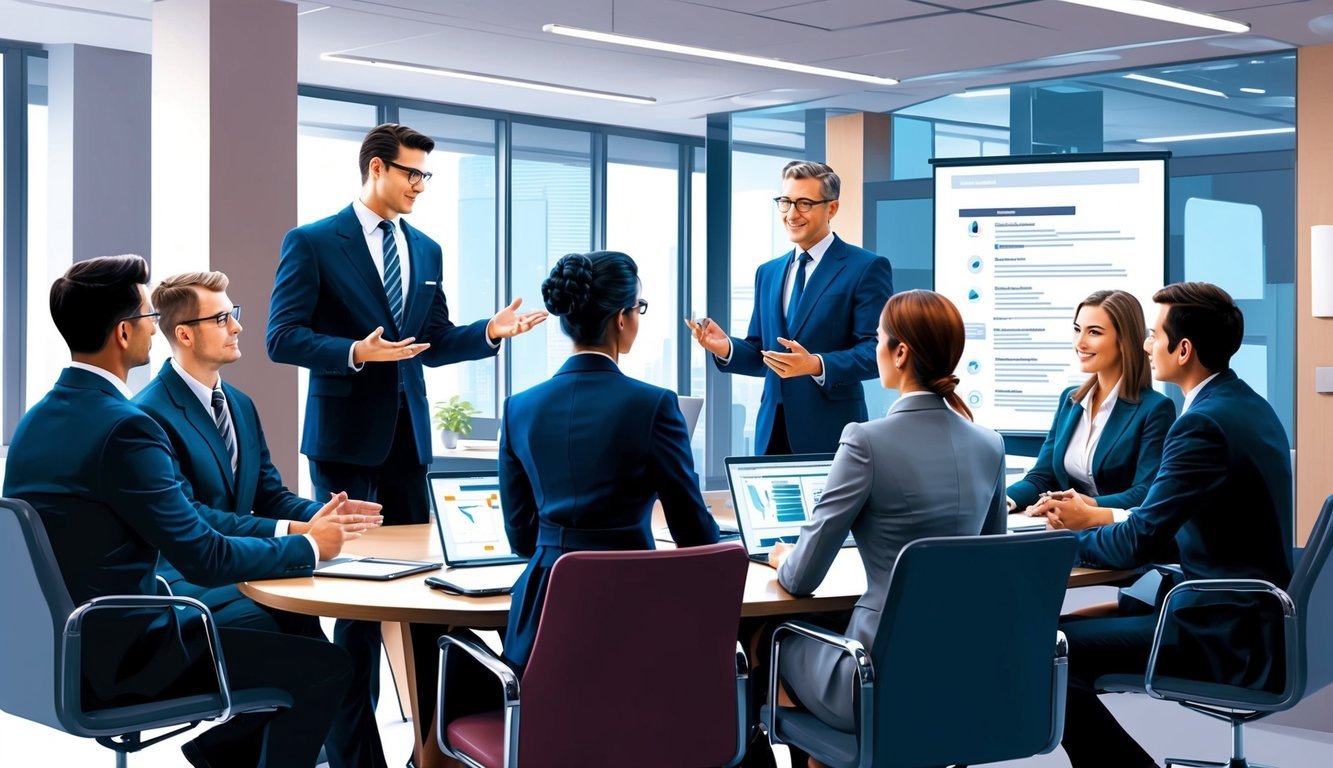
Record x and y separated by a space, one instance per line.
102 476
1222 493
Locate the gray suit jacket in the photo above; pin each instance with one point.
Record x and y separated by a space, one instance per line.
921 471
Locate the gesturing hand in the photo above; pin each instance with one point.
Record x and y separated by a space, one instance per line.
797 362
375 349
709 335
508 322
332 526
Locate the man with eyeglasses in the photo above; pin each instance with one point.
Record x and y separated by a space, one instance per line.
358 300
812 331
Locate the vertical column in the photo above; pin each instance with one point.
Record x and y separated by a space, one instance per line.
717 386
98 182
858 147
224 171
1314 336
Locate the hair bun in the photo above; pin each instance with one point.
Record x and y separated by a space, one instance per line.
569 288
944 385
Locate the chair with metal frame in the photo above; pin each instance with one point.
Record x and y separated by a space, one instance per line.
1306 606
967 665
635 663
41 645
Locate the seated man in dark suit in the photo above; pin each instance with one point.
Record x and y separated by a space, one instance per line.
102 476
1222 495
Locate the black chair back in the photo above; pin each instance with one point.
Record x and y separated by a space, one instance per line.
1311 590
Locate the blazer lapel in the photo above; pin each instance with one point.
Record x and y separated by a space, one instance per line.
360 263
1062 438
833 262
247 457
202 422
774 297
417 258
1121 415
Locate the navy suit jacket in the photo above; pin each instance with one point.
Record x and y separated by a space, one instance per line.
1127 456
1223 494
326 296
837 319
101 474
256 485
582 457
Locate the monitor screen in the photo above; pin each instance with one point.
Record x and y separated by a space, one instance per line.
468 517
775 495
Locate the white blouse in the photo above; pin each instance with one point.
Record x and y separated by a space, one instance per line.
1083 443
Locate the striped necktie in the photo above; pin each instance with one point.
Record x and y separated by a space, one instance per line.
222 417
393 275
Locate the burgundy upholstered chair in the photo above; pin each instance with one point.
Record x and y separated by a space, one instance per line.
635 663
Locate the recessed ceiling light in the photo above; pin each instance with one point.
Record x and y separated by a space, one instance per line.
709 53
1226 135
1165 13
984 92
1174 84
1253 90
480 77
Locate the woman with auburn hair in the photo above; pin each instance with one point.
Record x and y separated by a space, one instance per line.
1106 440
924 469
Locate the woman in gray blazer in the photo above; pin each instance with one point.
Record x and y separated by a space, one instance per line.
923 470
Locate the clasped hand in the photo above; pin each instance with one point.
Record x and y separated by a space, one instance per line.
1069 510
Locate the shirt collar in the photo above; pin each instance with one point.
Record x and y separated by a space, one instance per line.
196 386
1107 402
595 352
120 386
916 393
817 250
1189 398
370 221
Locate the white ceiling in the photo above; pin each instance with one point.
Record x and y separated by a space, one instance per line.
936 47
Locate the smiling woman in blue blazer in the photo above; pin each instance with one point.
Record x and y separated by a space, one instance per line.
1106 440
583 455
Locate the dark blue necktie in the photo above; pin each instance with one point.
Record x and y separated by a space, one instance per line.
799 287
393 275
222 417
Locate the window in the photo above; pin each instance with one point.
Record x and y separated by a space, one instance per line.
551 216
47 354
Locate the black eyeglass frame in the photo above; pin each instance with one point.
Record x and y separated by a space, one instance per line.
641 305
220 318
140 316
414 175
803 204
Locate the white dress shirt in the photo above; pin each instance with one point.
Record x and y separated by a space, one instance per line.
205 395
1083 443
370 227
115 380
816 252
1189 396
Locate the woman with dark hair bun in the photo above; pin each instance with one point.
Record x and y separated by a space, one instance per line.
923 470
584 454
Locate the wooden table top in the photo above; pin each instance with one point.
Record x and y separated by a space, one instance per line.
409 599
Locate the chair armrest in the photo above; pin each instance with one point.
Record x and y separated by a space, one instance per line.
742 705
1059 683
71 686
865 675
486 661
1292 662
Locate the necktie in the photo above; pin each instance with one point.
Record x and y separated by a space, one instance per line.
393 276
222 417
799 287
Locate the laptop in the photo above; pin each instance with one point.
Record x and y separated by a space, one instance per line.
774 496
471 528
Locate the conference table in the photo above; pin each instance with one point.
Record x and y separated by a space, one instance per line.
399 603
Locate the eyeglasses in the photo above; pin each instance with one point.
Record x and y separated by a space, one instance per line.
220 319
413 175
641 305
802 204
140 316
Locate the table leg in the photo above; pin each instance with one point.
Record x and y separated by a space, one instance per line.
421 693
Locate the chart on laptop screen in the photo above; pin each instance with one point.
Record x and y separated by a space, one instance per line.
776 497
470 517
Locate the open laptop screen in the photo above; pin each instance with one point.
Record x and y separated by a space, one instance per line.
775 495
468 518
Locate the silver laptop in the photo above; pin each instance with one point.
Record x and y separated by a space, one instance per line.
774 496
469 520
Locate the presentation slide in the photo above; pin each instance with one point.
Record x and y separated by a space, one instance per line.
470 518
1018 246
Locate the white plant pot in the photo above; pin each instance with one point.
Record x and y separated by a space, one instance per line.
449 439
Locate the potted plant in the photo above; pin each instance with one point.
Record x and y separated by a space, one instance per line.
453 417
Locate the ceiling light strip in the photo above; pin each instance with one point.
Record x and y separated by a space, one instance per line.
1161 12
1226 135
1174 84
709 53
480 77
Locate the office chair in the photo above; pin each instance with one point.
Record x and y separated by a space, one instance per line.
635 663
41 644
1307 608
967 665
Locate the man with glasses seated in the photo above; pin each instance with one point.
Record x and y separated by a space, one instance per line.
359 301
812 331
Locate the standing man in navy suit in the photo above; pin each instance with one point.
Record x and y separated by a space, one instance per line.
821 302
101 475
1222 495
358 300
